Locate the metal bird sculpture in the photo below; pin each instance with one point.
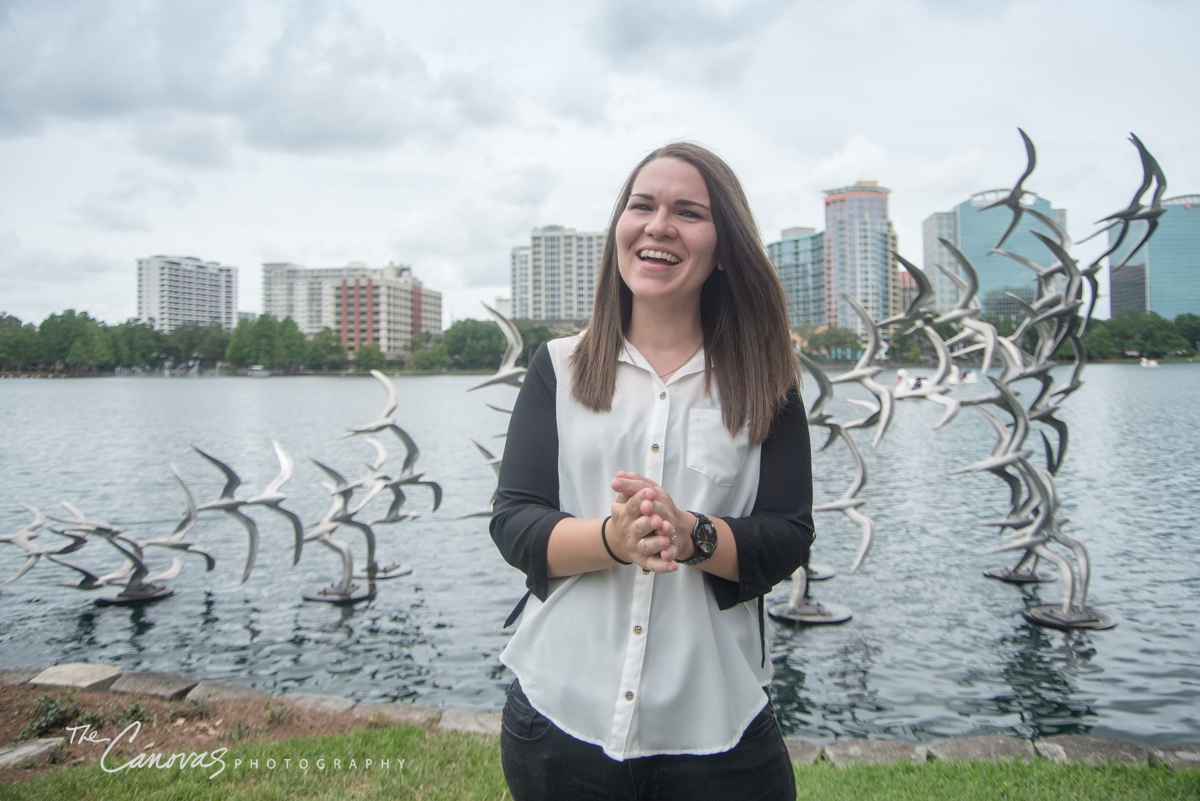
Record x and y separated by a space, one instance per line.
232 506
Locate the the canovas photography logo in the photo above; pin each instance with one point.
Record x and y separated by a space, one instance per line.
215 762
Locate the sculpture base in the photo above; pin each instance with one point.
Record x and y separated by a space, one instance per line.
1007 574
1051 615
332 595
135 598
811 614
395 571
819 572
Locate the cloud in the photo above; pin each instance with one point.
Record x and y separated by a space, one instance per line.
110 213
125 207
187 139
860 159
711 40
296 77
40 281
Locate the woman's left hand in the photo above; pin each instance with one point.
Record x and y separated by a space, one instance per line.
666 519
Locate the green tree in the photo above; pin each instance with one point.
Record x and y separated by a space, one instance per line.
1146 334
835 342
431 359
1097 341
1188 326
533 336
137 344
265 344
369 357
78 356
57 334
293 347
101 347
474 344
18 343
240 352
325 350
197 342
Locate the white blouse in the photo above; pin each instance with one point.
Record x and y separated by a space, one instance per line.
642 663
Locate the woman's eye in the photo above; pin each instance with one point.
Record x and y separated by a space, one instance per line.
691 214
640 206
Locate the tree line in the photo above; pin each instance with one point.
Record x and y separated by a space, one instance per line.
1129 334
77 343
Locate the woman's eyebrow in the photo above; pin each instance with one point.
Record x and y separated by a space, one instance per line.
680 202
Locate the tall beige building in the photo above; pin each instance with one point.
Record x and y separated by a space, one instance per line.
554 276
385 306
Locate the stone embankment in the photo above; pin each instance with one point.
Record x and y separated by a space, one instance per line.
177 686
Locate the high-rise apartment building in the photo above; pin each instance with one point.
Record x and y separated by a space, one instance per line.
799 259
175 290
521 297
554 277
859 244
384 306
975 229
1164 275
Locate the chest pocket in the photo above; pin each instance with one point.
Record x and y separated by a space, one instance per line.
710 449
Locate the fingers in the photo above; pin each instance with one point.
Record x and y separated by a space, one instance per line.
630 483
659 554
641 512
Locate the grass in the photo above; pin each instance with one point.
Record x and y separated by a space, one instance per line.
448 765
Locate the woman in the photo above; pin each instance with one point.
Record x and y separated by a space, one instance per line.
656 483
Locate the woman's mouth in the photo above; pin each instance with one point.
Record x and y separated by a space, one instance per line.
658 256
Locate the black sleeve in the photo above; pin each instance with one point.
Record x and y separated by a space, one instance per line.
775 539
527 506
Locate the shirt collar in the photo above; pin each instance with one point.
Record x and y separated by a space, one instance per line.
632 355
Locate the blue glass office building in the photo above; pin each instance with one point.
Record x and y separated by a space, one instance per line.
1164 275
975 232
799 259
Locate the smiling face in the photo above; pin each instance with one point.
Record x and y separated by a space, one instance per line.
666 241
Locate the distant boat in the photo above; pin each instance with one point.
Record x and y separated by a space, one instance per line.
961 377
258 370
1149 362
907 382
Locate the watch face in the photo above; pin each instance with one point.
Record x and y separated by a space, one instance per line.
706 537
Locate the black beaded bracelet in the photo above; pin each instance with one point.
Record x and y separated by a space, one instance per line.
604 539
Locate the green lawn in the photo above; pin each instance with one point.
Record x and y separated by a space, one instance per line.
442 765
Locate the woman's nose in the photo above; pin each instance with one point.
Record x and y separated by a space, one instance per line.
660 224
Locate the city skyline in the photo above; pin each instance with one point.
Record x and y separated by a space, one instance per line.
256 132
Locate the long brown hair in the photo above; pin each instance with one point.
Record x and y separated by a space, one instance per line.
743 309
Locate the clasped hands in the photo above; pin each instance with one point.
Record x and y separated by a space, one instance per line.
647 528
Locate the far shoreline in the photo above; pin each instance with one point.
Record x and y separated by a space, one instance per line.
403 373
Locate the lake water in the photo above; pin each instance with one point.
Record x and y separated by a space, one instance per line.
934 649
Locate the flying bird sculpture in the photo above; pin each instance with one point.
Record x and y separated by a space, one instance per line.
231 505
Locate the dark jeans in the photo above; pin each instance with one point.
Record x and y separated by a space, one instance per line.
544 763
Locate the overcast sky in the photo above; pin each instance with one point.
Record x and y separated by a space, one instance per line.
438 134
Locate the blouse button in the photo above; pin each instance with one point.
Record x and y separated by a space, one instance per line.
662 396
654 448
637 629
629 696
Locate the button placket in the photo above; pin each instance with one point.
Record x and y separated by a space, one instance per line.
657 432
635 654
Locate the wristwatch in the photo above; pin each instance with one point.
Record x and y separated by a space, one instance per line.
704 540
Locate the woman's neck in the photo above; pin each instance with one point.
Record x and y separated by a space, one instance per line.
668 341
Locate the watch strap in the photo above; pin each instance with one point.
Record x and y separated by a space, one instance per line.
700 554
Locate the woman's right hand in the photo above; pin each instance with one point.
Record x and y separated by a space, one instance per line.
637 537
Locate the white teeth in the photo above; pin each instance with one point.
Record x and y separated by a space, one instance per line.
658 254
